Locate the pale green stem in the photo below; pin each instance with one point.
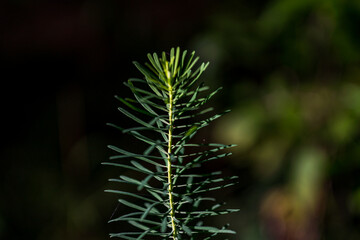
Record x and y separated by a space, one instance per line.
170 189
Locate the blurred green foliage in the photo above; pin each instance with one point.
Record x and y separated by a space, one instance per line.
296 113
291 75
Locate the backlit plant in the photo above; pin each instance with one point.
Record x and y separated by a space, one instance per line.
170 199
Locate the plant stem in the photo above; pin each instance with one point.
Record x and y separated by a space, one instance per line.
170 189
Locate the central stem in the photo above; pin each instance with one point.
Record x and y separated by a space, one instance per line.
170 189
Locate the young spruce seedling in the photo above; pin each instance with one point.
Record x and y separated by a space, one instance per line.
170 200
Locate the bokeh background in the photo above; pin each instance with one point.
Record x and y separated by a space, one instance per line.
290 72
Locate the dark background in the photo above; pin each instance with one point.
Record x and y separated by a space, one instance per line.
290 72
